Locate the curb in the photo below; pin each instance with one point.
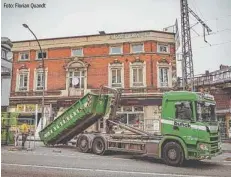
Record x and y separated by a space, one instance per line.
228 141
226 151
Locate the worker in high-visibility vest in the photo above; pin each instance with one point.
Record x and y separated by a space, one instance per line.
24 131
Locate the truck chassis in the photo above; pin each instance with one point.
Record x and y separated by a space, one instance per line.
140 143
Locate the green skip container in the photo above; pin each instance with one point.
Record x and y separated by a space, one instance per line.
77 118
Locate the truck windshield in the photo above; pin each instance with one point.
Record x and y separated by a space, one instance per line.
206 112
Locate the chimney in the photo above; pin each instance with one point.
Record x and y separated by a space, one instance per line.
102 32
207 73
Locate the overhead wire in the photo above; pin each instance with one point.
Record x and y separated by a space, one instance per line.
217 18
222 43
213 33
198 9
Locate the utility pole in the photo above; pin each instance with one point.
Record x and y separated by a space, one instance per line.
187 58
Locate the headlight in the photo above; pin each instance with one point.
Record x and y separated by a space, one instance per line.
204 147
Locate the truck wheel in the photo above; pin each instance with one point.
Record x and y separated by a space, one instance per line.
98 146
173 154
83 144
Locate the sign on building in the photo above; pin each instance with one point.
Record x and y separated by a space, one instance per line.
28 108
130 35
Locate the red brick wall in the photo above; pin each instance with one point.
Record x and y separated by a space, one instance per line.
96 50
98 58
59 53
222 99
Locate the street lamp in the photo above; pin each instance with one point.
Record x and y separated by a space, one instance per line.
43 66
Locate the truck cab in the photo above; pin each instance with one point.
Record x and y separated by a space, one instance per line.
189 121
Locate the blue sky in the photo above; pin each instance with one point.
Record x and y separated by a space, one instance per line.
78 17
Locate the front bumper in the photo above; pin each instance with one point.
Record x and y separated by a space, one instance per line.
207 154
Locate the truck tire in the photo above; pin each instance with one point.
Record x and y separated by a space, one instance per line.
83 144
173 154
98 146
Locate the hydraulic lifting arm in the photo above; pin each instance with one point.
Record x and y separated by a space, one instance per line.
113 107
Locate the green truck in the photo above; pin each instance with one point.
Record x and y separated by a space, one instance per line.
189 129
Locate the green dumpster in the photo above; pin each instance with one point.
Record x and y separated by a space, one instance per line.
78 117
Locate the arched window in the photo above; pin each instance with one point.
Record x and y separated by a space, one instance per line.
76 76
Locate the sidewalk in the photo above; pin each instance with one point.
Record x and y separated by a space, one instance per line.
226 147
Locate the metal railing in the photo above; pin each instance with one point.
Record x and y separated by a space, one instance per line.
210 79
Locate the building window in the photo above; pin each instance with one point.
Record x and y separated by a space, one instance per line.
76 79
137 48
39 80
23 81
116 75
77 52
164 74
131 115
24 56
163 48
163 77
41 54
4 53
138 74
115 50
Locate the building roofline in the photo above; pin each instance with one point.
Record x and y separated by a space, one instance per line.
92 35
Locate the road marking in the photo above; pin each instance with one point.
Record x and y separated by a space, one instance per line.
99 170
92 156
227 164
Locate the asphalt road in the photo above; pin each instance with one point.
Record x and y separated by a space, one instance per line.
67 162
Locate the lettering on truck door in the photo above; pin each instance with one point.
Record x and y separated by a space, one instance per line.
182 121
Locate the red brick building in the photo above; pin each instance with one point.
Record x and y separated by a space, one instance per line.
218 83
141 62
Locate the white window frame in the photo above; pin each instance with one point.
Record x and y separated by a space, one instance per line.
162 44
122 111
78 48
162 71
140 65
19 73
118 46
36 71
20 56
169 67
81 77
44 51
119 66
131 47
